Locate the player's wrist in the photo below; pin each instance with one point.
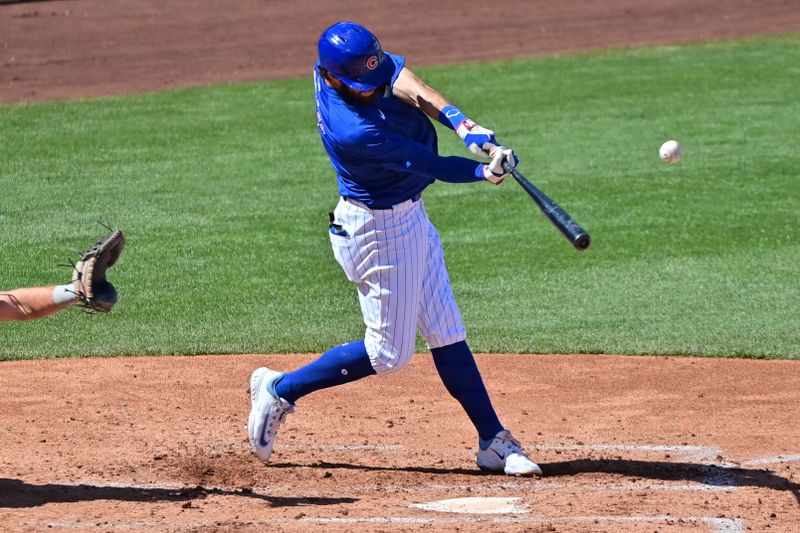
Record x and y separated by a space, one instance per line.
484 172
491 176
452 117
464 129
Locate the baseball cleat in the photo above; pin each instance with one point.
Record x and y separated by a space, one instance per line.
504 454
267 412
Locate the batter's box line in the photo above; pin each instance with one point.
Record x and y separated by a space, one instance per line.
556 486
772 460
699 453
692 452
345 447
717 525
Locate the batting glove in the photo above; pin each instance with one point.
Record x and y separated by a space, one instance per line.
476 138
495 171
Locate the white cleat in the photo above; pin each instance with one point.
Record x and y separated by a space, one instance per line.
504 454
267 412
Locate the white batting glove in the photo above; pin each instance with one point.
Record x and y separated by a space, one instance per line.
495 172
476 138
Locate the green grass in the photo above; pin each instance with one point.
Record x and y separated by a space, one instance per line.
223 194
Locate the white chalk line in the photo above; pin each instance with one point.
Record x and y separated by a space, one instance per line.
719 525
773 460
104 525
694 452
682 449
345 447
637 486
555 486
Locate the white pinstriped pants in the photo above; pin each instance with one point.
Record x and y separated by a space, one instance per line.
395 258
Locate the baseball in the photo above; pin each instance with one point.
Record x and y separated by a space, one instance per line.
670 152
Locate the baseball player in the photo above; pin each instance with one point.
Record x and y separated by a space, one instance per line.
88 287
373 116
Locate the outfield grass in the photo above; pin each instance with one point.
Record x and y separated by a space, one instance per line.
223 194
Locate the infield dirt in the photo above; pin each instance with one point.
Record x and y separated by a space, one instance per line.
158 444
154 443
84 48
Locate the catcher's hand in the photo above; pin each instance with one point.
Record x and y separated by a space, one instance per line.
94 291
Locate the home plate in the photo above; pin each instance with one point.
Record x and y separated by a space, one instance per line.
474 506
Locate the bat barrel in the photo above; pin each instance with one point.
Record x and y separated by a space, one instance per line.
574 233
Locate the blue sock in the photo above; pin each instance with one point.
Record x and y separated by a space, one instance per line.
339 365
460 375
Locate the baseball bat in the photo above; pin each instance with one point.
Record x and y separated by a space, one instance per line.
576 235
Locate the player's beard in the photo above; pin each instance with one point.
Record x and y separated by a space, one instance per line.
359 98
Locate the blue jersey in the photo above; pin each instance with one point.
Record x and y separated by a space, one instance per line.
384 152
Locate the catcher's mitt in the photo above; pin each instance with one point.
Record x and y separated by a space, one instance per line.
94 291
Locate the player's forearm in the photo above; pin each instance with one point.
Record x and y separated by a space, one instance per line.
30 303
413 91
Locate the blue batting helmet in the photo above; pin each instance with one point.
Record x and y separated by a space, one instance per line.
353 54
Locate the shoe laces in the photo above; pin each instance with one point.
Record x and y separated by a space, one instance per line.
286 411
285 408
510 443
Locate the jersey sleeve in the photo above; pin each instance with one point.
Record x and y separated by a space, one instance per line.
399 63
392 151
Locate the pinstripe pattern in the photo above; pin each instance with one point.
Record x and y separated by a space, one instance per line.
395 258
439 318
